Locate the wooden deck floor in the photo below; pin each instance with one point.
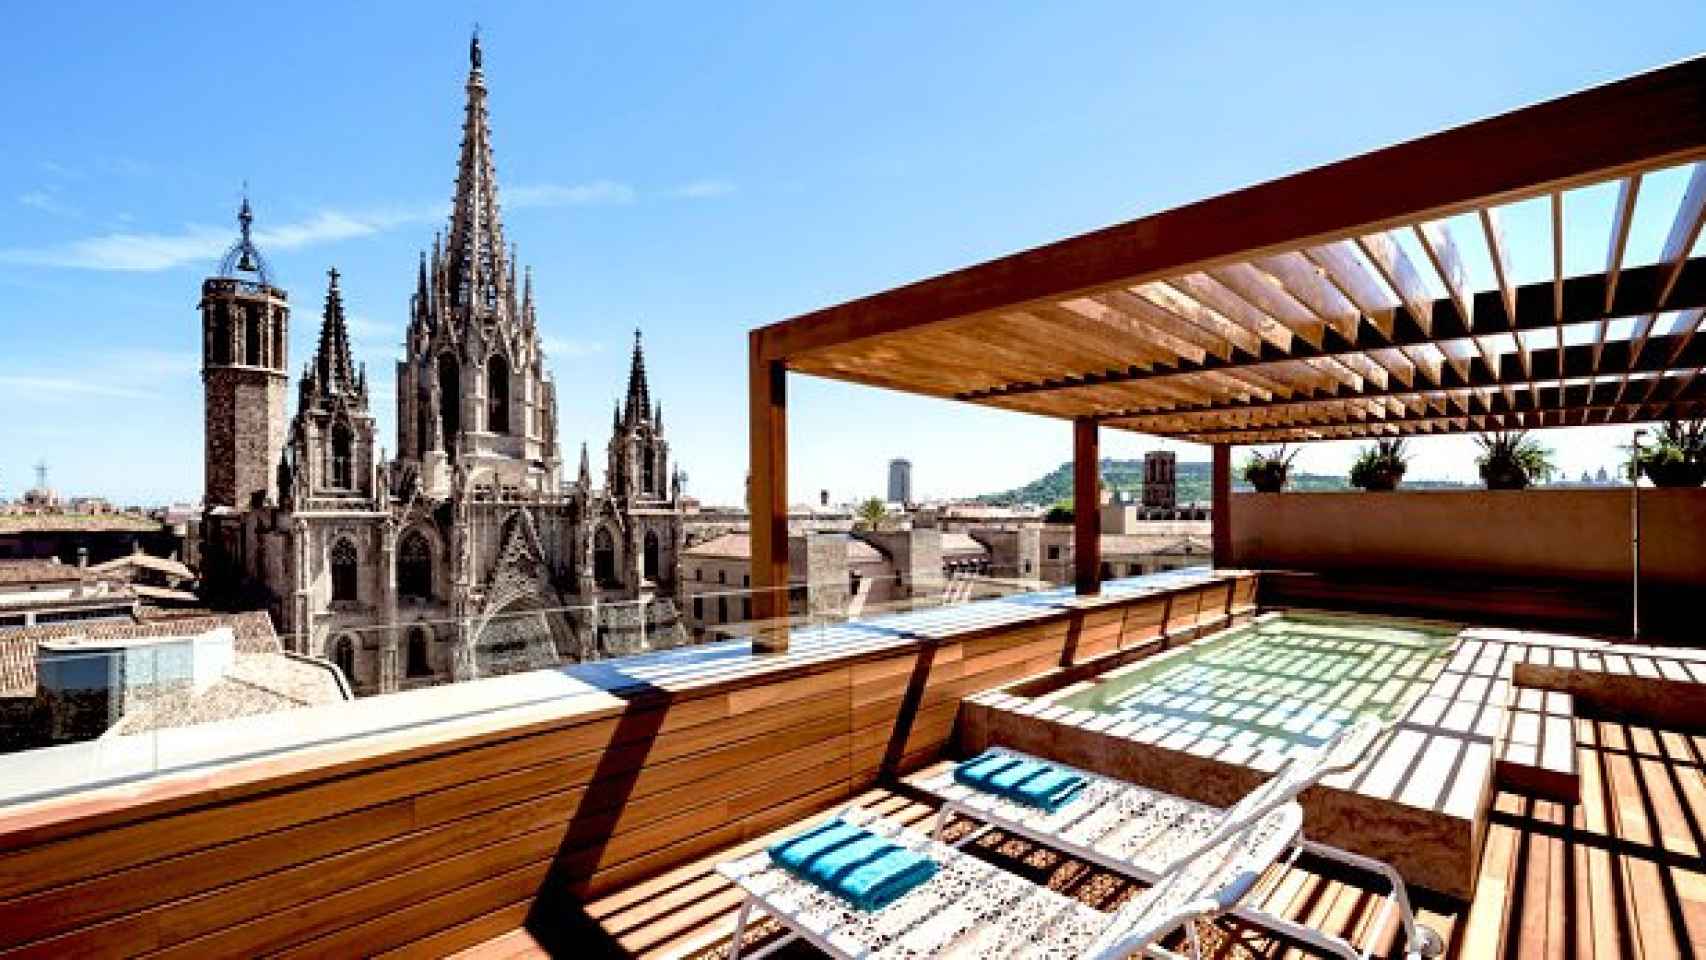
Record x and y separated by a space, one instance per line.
1622 874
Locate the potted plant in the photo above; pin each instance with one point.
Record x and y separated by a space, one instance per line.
1381 466
1268 472
1509 460
1677 457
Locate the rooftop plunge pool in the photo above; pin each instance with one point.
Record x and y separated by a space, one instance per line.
1211 718
1282 683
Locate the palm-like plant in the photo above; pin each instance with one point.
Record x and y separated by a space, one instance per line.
1677 457
1268 471
872 513
1381 466
1510 460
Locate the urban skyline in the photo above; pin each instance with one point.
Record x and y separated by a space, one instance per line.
110 216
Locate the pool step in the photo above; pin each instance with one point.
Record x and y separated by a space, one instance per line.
1538 751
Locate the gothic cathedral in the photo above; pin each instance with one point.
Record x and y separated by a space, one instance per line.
467 555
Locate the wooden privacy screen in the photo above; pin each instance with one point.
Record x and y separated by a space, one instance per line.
417 847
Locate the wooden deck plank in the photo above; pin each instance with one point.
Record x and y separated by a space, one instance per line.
1619 874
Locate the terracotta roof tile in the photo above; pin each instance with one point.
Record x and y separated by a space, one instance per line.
39 571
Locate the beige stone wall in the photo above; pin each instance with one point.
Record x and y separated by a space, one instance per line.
1569 534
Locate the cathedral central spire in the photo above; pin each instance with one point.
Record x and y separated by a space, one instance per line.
477 268
639 403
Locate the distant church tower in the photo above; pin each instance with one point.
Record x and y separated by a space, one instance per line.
245 332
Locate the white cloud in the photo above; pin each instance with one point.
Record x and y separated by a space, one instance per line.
46 202
199 243
704 189
564 348
98 166
125 250
596 192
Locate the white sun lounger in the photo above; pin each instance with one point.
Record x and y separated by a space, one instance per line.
1136 831
972 908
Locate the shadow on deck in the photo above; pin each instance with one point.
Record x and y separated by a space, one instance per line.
1621 874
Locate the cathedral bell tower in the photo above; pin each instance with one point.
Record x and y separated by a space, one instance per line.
245 333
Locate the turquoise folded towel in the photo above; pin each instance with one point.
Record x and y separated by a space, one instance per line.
1049 788
1027 781
853 863
980 771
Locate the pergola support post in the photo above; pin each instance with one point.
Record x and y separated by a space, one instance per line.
768 491
1086 507
1220 505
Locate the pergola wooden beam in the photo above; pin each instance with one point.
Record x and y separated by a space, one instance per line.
1592 135
1537 307
768 480
1602 395
1694 405
1086 507
1665 353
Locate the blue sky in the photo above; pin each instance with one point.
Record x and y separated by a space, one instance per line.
695 170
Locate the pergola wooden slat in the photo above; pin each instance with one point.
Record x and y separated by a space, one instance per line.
1291 311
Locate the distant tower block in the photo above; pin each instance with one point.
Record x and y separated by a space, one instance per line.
245 332
1160 486
900 481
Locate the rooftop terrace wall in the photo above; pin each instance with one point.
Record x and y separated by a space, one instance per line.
1564 551
447 816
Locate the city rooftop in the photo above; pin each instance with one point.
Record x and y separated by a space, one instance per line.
465 710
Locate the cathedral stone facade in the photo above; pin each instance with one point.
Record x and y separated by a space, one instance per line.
468 554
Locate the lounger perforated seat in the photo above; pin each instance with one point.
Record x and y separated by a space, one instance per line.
1138 831
973 908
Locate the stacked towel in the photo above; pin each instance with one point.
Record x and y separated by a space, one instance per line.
1026 780
853 863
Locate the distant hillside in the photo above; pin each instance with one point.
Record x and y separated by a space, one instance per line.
1126 477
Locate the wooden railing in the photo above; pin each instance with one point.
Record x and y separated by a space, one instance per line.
424 841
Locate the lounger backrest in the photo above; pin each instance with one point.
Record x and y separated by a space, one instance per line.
1213 882
1341 751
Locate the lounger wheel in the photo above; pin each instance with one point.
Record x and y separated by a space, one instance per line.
1428 942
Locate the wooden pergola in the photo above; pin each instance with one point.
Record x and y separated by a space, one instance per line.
1299 309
